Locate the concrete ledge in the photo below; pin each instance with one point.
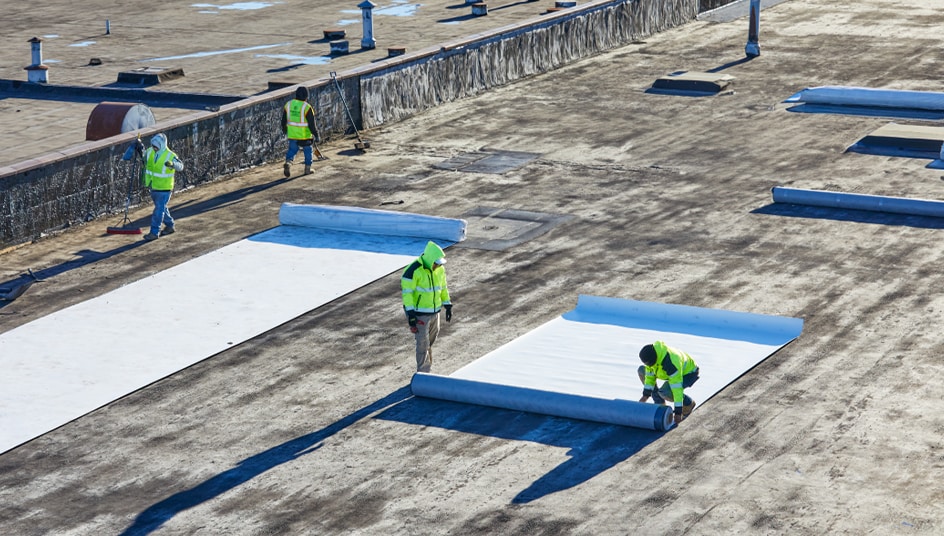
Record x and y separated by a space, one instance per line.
197 101
696 82
149 76
339 47
902 140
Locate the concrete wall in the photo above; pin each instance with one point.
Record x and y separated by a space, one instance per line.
465 68
88 181
708 5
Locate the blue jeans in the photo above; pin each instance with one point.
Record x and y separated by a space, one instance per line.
293 150
161 214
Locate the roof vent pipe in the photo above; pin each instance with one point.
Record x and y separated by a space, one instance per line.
37 72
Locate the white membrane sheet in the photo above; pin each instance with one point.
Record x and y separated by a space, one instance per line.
590 356
62 366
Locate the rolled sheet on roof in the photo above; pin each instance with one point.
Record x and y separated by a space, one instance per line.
584 364
57 368
875 203
588 408
372 221
869 97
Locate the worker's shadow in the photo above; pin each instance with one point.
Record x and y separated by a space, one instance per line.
593 447
844 214
161 512
12 289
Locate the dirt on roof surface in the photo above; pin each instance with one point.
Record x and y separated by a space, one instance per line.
311 428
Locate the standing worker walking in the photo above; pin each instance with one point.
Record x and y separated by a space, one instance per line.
160 164
298 124
425 293
662 362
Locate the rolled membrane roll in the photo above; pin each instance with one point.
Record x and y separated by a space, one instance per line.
587 408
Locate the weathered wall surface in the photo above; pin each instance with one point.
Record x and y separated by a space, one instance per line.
708 5
466 68
82 183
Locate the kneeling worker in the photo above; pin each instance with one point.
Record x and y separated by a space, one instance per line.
679 371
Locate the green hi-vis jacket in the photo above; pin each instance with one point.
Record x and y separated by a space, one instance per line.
158 176
296 121
424 289
672 369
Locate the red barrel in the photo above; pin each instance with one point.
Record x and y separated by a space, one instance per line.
112 118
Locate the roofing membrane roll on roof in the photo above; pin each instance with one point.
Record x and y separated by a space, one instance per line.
870 97
61 366
583 364
588 408
372 221
875 203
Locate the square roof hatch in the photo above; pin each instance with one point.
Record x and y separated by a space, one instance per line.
497 229
493 161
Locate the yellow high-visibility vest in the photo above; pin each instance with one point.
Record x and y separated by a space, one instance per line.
297 125
158 176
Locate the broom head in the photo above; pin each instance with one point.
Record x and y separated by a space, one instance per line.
124 229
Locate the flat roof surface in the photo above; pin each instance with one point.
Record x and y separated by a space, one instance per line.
233 48
310 428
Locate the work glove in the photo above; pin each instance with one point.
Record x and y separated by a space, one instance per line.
411 319
133 148
448 312
169 163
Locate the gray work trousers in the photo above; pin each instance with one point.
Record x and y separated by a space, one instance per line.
427 329
664 392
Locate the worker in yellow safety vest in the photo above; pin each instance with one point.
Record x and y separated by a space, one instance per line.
160 164
298 124
677 368
425 294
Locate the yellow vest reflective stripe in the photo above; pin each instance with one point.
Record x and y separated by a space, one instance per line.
158 176
682 362
297 125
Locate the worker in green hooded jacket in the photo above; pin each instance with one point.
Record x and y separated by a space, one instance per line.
678 369
425 294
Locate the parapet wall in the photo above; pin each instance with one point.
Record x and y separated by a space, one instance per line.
87 181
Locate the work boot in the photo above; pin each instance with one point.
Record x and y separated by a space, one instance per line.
287 169
167 231
307 169
687 408
149 237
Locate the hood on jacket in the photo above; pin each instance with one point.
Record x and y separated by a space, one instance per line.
159 141
431 254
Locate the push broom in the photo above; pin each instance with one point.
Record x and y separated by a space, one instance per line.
125 226
361 144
